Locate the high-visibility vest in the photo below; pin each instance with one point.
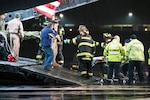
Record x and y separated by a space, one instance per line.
135 51
114 51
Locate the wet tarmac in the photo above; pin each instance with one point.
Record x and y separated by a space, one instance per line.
88 92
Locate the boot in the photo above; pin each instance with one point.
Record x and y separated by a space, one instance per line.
55 64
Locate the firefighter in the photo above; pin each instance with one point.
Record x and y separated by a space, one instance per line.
114 51
136 57
107 37
60 57
85 52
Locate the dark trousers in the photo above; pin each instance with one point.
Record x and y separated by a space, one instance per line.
125 69
148 74
139 68
113 67
86 68
60 57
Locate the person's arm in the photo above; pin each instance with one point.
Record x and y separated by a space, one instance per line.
21 30
58 37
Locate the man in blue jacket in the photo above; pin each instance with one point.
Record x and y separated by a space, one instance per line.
48 33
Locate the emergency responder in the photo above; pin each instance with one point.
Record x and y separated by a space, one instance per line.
124 62
16 32
135 55
60 57
114 51
149 65
85 52
103 68
40 53
107 37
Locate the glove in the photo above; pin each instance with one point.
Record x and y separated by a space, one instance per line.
66 41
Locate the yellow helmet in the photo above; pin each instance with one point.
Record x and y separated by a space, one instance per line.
107 35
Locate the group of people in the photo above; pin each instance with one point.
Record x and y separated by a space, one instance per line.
14 30
52 44
132 53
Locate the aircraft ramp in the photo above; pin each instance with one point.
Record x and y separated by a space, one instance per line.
33 67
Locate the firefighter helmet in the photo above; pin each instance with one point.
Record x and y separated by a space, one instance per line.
107 35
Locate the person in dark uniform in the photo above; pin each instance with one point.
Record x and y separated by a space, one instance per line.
60 57
149 66
125 66
103 68
85 52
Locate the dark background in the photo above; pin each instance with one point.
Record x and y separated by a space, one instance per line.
29 47
94 16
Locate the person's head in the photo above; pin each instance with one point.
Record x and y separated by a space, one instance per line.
55 19
107 37
53 25
83 30
133 36
117 38
17 15
126 41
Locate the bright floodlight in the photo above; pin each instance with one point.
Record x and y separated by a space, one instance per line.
130 14
61 15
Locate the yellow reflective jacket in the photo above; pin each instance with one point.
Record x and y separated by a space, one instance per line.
114 51
135 51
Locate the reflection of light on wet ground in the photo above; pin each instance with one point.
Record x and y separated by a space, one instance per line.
95 92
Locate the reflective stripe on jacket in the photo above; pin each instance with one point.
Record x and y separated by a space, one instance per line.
86 46
114 51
